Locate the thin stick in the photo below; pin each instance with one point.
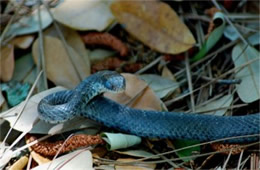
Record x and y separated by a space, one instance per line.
187 64
10 22
149 65
41 57
229 155
108 161
240 159
169 102
62 146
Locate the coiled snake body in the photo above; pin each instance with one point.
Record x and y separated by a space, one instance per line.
86 100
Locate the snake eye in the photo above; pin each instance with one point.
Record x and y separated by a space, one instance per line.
109 85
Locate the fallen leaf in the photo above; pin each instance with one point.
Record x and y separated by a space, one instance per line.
186 152
30 23
223 102
6 62
136 166
38 158
80 160
120 141
20 71
155 24
138 153
166 73
26 122
213 38
15 92
4 160
74 40
20 163
59 68
2 99
23 42
84 15
137 93
31 76
248 90
161 86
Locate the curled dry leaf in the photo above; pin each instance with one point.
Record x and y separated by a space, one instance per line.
84 15
23 42
59 67
106 39
154 23
137 94
6 62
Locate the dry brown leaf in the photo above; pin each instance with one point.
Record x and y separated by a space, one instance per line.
74 40
84 15
2 99
39 159
20 164
136 166
23 42
59 67
6 62
154 23
137 93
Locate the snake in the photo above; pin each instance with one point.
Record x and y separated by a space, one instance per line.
87 100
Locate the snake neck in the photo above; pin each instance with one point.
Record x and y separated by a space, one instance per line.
88 89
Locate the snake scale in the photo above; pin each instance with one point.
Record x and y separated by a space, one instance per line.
87 100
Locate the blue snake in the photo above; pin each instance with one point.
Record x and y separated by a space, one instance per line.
87 100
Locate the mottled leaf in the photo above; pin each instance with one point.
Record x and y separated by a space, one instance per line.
154 23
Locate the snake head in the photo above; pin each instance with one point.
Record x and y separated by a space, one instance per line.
113 81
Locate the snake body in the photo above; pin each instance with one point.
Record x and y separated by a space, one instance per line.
86 100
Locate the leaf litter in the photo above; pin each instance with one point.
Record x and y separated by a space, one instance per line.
154 39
